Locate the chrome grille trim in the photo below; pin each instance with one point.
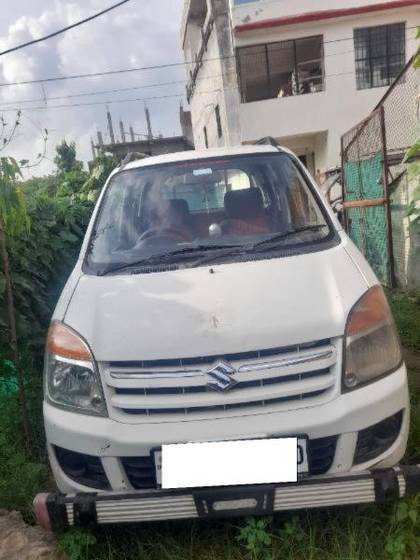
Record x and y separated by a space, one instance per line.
132 373
146 509
287 362
304 375
170 390
176 374
223 407
213 398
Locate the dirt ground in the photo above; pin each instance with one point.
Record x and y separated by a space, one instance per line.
19 541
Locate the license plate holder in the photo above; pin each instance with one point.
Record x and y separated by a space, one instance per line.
302 459
232 502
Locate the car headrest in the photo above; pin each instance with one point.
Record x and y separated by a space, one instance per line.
178 210
244 203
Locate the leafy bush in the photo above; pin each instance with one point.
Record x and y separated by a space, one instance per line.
406 310
41 261
20 477
59 207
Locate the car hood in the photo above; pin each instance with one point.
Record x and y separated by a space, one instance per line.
216 310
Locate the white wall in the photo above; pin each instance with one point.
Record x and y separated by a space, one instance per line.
307 122
216 84
207 94
340 106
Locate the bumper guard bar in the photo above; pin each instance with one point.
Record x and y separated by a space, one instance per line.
59 511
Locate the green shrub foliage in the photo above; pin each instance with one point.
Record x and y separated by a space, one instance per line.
59 208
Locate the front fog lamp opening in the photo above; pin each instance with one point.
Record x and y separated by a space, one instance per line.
377 439
83 469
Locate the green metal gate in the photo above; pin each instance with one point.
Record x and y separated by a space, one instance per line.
365 193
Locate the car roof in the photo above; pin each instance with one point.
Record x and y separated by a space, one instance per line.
201 154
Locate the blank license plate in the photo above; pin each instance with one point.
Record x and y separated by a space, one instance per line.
231 463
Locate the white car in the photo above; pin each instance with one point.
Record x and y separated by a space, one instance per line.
221 347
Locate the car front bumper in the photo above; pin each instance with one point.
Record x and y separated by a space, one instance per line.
343 417
58 511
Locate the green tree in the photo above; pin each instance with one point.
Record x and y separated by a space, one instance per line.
13 220
412 157
66 160
100 170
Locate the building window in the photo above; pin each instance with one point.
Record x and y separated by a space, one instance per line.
379 54
218 121
206 140
281 69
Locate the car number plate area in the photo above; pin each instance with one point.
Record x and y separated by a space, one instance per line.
231 463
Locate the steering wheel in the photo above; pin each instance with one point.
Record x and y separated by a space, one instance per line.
163 232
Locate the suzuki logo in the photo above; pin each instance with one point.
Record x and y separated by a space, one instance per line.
221 377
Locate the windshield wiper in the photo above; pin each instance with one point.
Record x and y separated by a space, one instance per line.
188 252
249 248
284 235
164 258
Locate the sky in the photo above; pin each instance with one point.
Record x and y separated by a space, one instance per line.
140 33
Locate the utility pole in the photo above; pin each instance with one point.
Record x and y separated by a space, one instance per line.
110 127
92 145
149 124
100 138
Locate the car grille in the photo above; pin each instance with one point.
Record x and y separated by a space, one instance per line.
140 471
321 454
299 375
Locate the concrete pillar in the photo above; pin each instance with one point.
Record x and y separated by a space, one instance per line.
110 127
92 146
122 131
149 124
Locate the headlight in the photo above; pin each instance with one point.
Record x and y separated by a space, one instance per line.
71 376
372 347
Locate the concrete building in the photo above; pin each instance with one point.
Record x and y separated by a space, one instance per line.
303 72
150 145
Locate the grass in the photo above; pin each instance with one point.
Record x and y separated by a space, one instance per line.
362 533
386 532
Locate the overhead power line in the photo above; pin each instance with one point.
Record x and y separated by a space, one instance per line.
46 99
105 102
91 93
144 68
64 29
104 91
143 99
97 74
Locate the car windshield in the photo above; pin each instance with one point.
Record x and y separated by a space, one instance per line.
184 210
